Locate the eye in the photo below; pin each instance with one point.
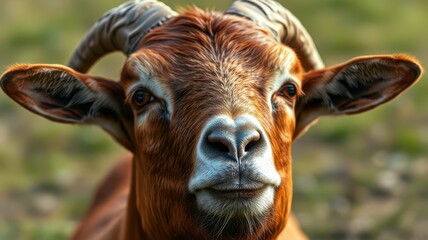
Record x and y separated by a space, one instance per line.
289 90
142 97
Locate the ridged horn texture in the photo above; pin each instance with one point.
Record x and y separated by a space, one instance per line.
282 25
120 29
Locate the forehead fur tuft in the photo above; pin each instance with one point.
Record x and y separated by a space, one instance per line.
196 36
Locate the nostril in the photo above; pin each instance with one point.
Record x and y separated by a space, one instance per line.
219 147
250 145
219 142
251 140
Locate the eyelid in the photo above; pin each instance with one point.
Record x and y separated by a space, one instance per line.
133 90
296 84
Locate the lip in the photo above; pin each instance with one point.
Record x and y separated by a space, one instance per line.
237 193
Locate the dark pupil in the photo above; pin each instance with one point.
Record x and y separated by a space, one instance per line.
291 90
141 97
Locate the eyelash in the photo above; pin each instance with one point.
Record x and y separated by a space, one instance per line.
289 92
140 98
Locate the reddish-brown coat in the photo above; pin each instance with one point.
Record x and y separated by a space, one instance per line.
209 64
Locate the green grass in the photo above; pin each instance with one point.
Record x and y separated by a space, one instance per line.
342 166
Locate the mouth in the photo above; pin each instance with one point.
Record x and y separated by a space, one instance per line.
237 192
226 199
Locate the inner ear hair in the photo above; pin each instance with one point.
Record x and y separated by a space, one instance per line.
363 83
59 93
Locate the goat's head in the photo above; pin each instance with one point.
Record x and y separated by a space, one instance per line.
209 104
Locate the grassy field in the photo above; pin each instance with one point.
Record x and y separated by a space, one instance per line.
356 177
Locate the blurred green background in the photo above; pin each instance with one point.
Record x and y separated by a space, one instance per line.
355 177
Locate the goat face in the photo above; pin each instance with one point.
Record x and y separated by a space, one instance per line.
209 105
213 100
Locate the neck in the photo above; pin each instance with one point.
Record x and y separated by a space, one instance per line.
156 209
133 228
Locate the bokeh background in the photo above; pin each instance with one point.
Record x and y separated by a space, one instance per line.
355 177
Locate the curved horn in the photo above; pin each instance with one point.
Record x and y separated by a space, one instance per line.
282 25
120 29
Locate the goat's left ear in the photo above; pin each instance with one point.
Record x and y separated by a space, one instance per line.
353 87
61 94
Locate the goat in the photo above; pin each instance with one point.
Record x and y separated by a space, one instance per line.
209 104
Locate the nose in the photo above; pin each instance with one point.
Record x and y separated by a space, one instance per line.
228 138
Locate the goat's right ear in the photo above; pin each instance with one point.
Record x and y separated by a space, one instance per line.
64 95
